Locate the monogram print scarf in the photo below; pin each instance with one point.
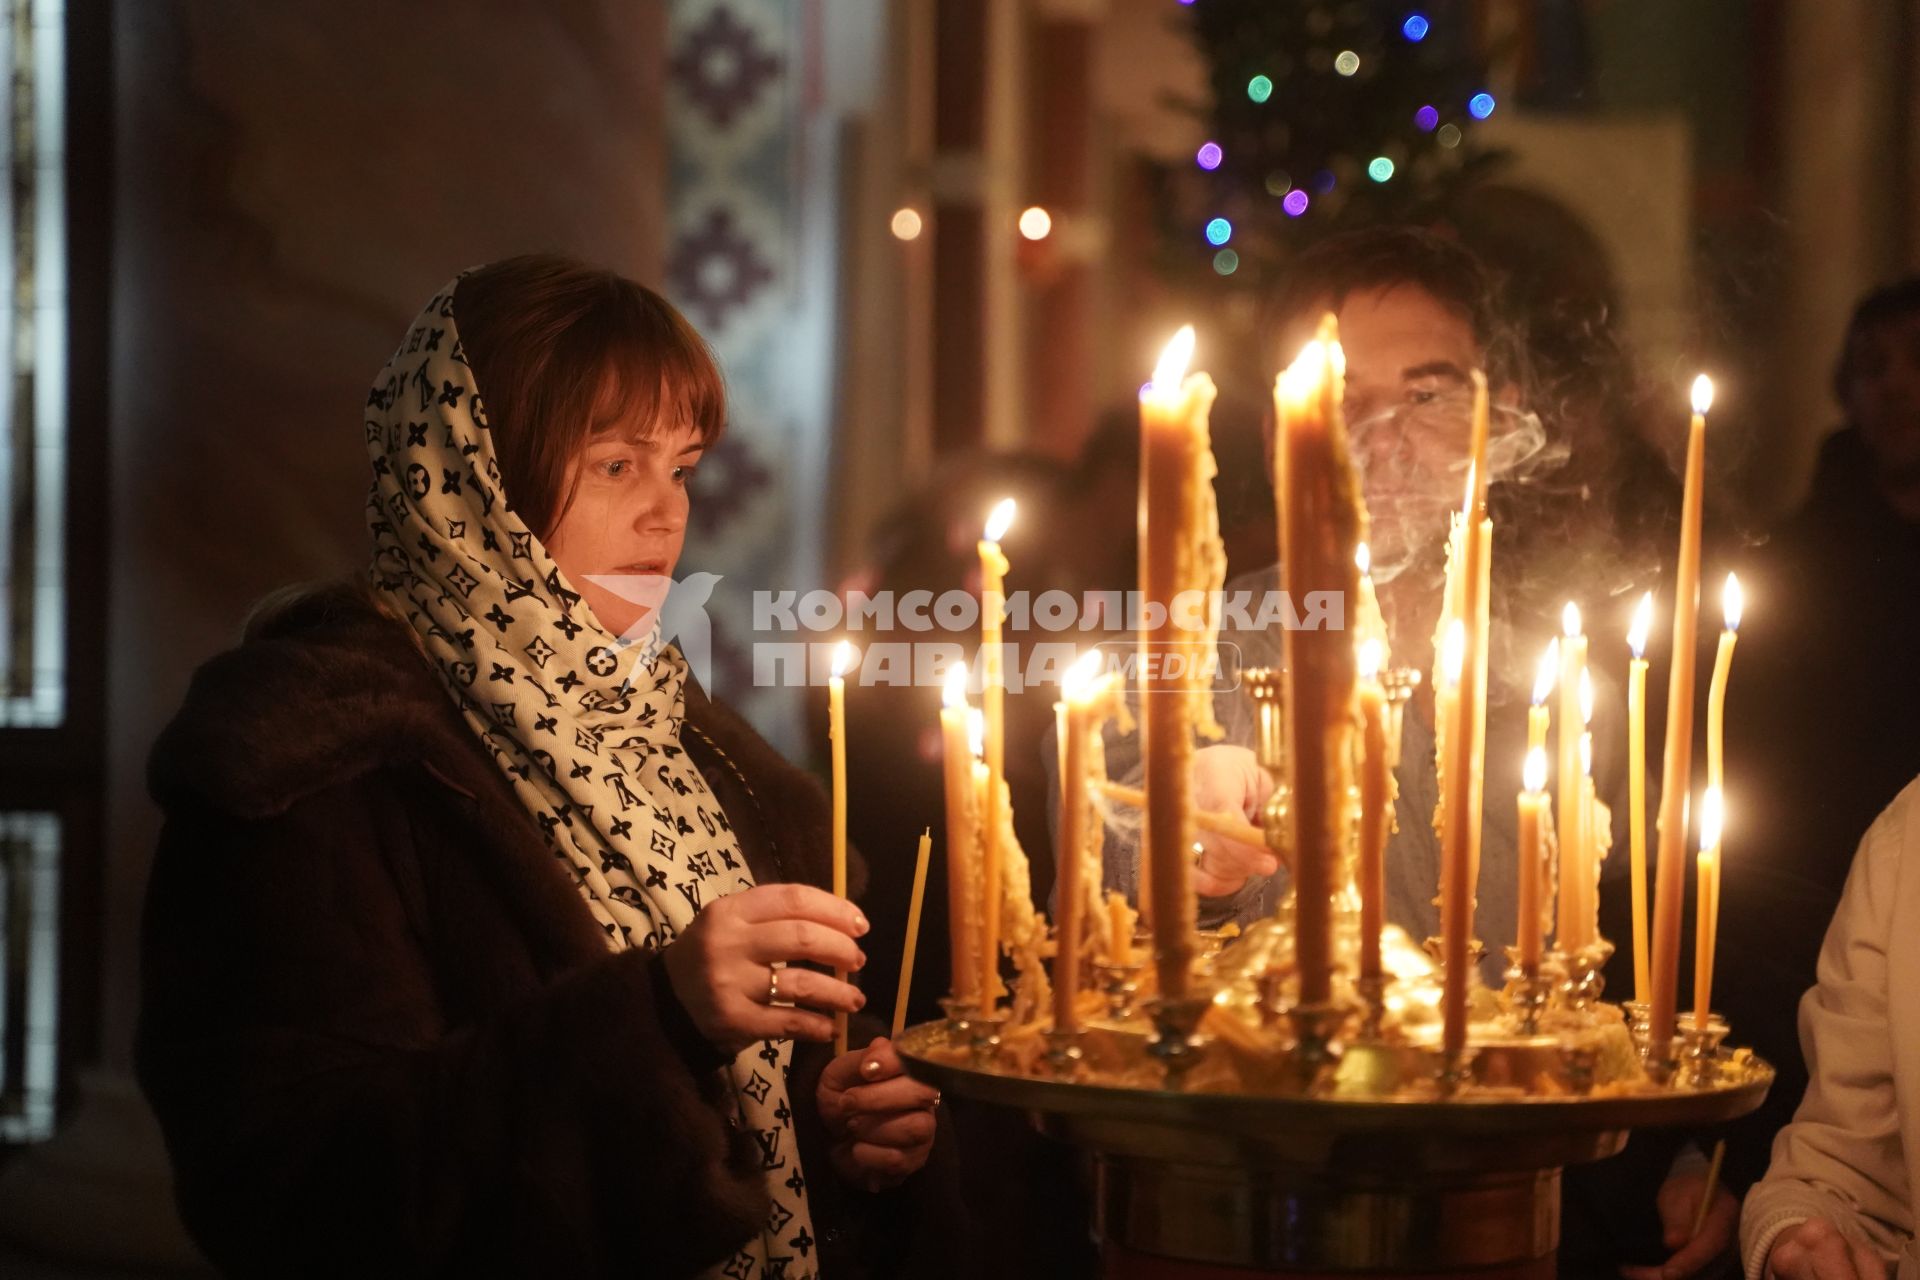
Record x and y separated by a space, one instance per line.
584 724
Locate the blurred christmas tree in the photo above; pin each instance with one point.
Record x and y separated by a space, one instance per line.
1326 115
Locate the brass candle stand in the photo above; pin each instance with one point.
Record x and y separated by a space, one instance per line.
1242 1128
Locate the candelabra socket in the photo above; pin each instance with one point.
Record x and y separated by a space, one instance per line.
1176 1042
960 1015
985 1038
1700 1049
1316 1041
1455 1070
1063 1051
1639 1015
1372 988
1527 993
1119 983
1585 977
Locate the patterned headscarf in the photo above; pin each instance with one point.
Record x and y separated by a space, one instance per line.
585 726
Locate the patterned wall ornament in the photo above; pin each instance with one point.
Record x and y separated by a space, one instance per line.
750 199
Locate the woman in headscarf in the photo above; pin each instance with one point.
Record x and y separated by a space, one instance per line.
477 936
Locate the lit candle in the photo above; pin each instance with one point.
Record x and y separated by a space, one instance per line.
1376 806
1679 746
1637 788
1573 661
1456 903
963 836
1119 929
993 693
1533 854
1546 675
1321 521
1731 601
837 732
1173 449
913 932
1707 904
1070 889
1479 619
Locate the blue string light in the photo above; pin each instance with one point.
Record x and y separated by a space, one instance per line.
1415 27
1380 169
1219 231
1480 106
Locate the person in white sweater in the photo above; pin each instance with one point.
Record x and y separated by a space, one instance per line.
1837 1199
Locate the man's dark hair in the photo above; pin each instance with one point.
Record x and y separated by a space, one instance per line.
1884 305
1323 277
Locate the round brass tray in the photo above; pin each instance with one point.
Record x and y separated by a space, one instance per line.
1288 1183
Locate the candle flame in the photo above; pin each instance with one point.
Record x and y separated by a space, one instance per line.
842 658
1642 624
976 731
1370 657
1362 559
1586 697
1733 600
1074 683
1548 673
1000 520
1453 655
1570 621
1174 359
1534 771
955 692
1712 818
1702 394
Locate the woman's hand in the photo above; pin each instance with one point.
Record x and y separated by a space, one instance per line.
1679 1206
879 1120
1228 779
1815 1250
722 966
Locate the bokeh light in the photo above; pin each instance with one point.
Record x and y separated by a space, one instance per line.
1323 181
1295 203
1426 118
1480 106
1209 155
1380 169
1449 135
1226 262
1036 223
1260 88
1415 27
1347 63
906 224
1278 183
1219 231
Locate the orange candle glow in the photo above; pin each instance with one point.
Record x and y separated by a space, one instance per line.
1321 522
1637 789
963 837
1533 857
837 728
1679 746
1174 452
1707 905
1376 807
1573 661
993 695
